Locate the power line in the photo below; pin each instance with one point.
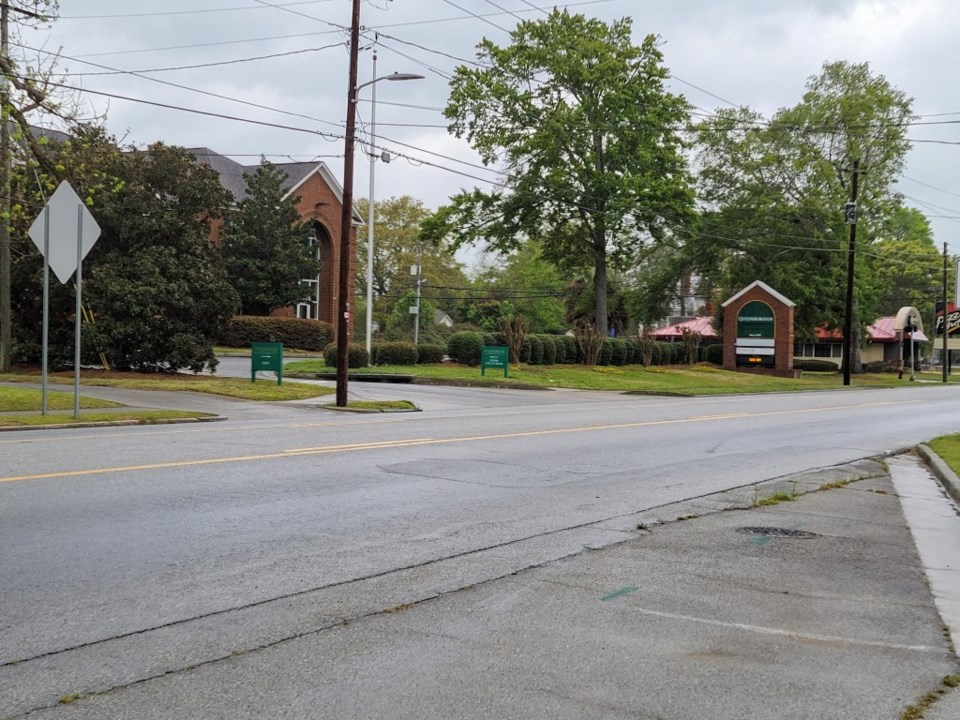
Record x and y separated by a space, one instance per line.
219 63
164 13
208 44
478 17
184 87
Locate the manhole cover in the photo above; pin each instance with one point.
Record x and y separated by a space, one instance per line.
777 532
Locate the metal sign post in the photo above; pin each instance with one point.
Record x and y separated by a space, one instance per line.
46 308
64 220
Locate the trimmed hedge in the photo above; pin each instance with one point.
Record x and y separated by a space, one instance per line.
536 350
430 354
606 352
714 354
573 355
242 330
559 349
620 352
549 349
465 348
811 365
395 353
357 356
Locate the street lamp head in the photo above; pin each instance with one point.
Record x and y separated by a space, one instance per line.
403 76
392 77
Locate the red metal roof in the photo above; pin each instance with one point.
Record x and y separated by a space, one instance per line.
702 325
882 331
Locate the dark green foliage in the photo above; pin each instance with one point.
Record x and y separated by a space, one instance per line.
525 352
559 349
489 339
291 332
395 353
264 245
572 355
430 353
536 350
812 365
549 349
606 352
595 164
714 354
465 348
619 351
357 356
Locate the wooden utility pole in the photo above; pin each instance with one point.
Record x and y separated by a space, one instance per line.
945 317
6 316
346 217
851 218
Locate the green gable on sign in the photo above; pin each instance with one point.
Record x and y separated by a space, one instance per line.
755 320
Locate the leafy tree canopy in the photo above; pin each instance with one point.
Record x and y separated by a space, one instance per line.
154 283
396 246
587 137
775 192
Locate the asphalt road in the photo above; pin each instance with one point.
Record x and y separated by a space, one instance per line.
127 538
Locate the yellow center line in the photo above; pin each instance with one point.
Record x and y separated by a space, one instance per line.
383 444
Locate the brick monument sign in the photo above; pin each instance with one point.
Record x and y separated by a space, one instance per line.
758 331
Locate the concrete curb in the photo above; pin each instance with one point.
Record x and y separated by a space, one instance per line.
948 478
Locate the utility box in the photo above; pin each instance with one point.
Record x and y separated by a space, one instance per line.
266 357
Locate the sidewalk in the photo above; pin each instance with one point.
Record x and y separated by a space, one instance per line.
812 608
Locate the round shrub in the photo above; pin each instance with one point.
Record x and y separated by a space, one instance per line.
714 354
811 365
395 353
618 352
606 352
465 347
572 355
549 349
536 350
357 356
525 351
489 339
430 353
559 349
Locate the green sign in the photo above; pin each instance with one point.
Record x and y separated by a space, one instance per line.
755 320
495 356
266 356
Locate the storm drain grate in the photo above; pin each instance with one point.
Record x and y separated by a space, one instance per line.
777 532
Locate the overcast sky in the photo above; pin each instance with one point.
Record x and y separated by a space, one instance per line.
757 53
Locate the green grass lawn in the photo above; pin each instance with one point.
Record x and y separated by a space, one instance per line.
265 389
14 399
146 417
680 380
948 448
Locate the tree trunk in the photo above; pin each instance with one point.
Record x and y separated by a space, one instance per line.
856 364
600 291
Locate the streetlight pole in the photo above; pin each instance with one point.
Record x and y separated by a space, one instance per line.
371 198
370 201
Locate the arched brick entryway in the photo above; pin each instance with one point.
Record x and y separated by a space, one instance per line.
326 305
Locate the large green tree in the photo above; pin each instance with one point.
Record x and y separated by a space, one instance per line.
264 245
153 283
25 92
577 118
775 191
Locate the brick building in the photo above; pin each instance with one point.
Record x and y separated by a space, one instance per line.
320 205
